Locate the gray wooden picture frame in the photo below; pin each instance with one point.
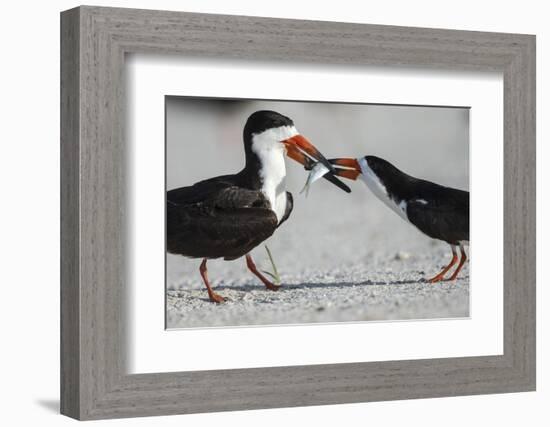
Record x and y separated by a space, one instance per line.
94 382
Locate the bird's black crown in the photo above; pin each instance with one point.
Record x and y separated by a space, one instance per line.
263 120
380 166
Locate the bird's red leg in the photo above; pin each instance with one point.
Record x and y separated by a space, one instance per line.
214 297
460 264
252 267
441 275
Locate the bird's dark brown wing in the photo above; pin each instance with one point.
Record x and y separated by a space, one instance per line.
222 190
445 218
221 233
214 220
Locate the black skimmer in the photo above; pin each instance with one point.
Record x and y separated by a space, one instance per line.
439 212
227 216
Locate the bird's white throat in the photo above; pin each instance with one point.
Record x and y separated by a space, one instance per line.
271 153
376 185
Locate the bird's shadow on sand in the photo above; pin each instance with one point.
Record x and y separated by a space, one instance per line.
314 285
249 287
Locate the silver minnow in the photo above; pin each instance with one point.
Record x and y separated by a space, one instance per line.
317 172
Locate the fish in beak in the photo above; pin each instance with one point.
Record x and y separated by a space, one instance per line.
304 152
316 172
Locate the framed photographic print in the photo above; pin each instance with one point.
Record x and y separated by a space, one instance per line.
262 213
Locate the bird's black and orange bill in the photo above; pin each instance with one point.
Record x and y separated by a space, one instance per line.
346 167
301 144
305 153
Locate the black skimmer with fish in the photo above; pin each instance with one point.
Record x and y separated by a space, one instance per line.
439 212
227 216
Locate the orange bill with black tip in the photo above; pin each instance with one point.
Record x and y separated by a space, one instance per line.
302 151
346 168
298 145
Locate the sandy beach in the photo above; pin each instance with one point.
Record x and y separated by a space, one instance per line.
383 290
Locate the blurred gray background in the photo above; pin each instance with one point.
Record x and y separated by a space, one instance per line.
333 241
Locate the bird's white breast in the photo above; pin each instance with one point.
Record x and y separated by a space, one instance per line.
374 183
271 154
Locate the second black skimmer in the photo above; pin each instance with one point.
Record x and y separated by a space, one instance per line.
439 212
227 216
